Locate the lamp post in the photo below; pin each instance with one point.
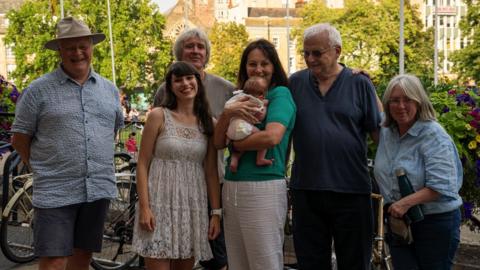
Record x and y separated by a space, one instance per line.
185 13
268 28
112 54
288 39
61 9
435 47
401 60
267 20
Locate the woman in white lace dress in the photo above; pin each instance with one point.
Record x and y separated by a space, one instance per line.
177 168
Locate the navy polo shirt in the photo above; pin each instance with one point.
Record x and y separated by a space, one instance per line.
330 132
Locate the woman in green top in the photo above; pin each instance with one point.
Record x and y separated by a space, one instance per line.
254 198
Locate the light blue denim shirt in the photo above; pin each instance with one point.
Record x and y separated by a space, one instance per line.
73 129
430 159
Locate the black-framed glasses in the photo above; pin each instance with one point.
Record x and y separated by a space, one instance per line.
316 53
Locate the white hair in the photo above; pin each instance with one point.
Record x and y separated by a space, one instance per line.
187 34
334 38
413 89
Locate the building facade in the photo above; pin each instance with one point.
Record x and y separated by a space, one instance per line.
273 24
450 36
7 58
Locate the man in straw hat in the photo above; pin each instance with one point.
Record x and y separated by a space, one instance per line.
64 129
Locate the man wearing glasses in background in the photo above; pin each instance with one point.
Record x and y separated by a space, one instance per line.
330 181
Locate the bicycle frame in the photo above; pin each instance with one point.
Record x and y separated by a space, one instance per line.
381 258
17 194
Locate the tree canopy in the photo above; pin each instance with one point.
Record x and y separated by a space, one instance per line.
467 60
228 41
370 33
141 53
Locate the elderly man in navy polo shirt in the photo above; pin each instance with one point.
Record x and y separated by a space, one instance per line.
330 182
64 128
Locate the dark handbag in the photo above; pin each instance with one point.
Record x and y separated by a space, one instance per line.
400 231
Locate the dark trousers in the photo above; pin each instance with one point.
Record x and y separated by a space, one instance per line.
219 250
435 241
322 216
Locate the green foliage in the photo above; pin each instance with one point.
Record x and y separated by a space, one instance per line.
370 34
458 112
141 53
228 41
467 60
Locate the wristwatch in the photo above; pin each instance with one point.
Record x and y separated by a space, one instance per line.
216 212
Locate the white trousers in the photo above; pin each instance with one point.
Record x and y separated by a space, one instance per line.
255 215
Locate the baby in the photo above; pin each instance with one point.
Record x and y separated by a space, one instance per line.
255 88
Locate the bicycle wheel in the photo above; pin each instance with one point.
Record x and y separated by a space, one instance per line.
16 232
117 250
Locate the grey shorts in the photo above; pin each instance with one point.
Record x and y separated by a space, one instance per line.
57 231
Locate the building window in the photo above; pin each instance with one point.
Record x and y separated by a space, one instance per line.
276 42
11 68
10 53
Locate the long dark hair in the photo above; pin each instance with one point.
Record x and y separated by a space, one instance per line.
201 108
279 77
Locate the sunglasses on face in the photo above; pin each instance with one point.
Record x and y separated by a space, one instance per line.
315 53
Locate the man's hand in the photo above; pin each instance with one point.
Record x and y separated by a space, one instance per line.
361 71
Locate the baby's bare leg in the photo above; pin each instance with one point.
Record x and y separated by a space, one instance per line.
234 160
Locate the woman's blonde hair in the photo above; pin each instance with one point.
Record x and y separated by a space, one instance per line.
413 89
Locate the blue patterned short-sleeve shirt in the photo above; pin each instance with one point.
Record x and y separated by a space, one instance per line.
73 129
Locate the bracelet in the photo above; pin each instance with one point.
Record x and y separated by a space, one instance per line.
216 212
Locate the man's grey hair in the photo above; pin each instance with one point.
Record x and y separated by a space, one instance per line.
334 38
193 32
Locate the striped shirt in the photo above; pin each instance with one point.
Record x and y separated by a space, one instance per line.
73 129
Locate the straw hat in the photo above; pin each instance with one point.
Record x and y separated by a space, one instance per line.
71 28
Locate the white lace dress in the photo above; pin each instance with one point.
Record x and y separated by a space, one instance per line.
178 196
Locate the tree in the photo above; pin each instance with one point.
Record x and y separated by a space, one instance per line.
141 53
467 60
370 32
228 41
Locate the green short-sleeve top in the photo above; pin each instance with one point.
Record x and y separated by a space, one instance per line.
281 109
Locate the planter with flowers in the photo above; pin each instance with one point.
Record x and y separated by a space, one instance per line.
458 110
8 98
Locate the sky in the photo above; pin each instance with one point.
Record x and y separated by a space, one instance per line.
165 4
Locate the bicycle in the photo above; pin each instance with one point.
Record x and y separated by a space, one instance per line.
381 259
117 251
16 233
